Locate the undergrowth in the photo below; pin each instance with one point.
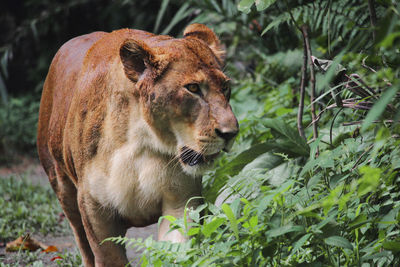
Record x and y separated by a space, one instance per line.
330 198
341 208
31 208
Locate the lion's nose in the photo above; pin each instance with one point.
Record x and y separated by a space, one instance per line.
226 133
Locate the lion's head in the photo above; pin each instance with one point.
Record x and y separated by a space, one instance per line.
184 93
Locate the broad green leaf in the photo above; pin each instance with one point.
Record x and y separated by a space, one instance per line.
264 161
264 203
330 219
170 218
374 256
389 219
245 5
332 199
291 142
276 22
310 165
392 245
280 173
338 241
263 4
193 231
314 180
369 181
325 160
241 160
282 111
299 243
253 222
236 165
232 219
144 261
158 263
210 227
359 221
388 41
284 230
395 157
380 106
291 149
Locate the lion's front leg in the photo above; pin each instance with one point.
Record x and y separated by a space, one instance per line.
174 236
175 206
101 223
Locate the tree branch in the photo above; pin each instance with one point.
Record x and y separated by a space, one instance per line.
302 92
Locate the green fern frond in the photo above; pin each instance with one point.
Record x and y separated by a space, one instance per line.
337 21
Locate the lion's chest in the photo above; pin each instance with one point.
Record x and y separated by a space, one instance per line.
132 183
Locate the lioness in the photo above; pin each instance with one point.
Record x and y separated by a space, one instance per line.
128 122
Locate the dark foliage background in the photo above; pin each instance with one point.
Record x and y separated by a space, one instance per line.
31 33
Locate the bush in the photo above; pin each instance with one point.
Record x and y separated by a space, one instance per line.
326 200
18 124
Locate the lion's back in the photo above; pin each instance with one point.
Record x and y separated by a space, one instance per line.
57 94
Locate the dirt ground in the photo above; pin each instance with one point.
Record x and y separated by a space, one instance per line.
32 170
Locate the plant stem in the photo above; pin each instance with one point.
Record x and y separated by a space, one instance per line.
303 79
302 92
304 31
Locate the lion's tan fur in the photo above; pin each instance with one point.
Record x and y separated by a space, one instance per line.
113 120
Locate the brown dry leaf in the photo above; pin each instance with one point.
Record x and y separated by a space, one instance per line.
23 242
27 242
50 249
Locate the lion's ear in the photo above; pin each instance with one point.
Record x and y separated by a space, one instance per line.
137 57
202 32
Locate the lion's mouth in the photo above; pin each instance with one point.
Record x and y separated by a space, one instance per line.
192 157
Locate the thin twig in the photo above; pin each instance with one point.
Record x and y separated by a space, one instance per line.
366 66
291 16
303 79
352 123
304 30
354 103
355 83
362 106
360 122
359 159
363 64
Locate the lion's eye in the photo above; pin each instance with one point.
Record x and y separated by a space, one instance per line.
194 88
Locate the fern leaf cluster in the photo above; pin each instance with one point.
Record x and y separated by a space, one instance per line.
336 22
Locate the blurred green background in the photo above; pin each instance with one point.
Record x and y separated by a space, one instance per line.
31 33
